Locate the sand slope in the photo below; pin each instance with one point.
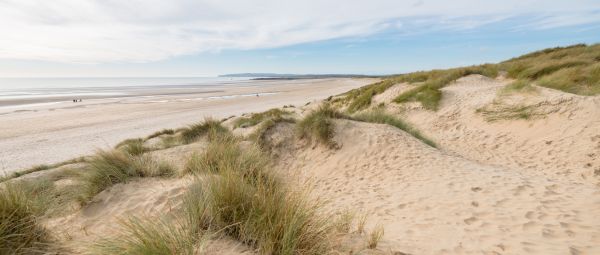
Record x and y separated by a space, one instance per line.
431 202
563 141
510 186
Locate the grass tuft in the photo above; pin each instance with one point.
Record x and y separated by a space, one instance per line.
259 136
317 125
256 118
42 167
208 126
133 146
107 168
429 93
573 69
379 116
159 133
251 205
518 86
374 237
144 236
223 154
20 232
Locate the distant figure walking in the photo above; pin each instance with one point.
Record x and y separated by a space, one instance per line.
256 94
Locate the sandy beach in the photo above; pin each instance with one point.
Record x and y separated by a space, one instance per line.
482 164
56 132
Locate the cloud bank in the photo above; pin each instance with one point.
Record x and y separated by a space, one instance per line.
97 31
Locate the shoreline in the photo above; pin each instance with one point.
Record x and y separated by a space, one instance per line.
52 133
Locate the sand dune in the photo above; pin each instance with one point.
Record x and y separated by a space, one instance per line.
498 185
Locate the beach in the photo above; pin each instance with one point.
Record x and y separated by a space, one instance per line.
46 131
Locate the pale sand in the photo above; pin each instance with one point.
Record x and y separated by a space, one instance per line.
63 131
504 187
507 187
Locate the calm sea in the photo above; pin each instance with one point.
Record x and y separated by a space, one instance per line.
26 90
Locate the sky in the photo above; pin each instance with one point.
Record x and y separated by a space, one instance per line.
152 38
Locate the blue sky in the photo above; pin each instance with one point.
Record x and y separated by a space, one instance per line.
205 38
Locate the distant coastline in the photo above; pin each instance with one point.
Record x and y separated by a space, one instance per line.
276 76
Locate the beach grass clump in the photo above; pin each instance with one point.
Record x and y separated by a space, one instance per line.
361 98
208 126
223 154
381 117
495 112
133 146
573 69
317 126
108 168
256 118
42 167
576 80
429 93
20 231
254 207
374 237
161 132
259 136
524 86
149 236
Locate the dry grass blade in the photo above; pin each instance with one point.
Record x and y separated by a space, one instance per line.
374 237
20 232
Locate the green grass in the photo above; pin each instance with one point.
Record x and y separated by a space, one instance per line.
518 86
20 231
159 133
509 112
379 116
256 118
223 155
151 237
208 126
41 168
429 93
107 168
361 98
253 206
133 146
318 127
259 136
576 80
573 69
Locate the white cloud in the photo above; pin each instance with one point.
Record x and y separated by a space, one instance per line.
140 31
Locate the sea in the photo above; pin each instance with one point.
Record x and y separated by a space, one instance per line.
24 92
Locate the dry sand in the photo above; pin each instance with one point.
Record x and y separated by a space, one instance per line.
63 131
503 187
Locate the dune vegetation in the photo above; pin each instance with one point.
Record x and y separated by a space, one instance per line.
256 118
21 205
573 69
245 200
195 131
318 127
41 168
379 116
108 168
